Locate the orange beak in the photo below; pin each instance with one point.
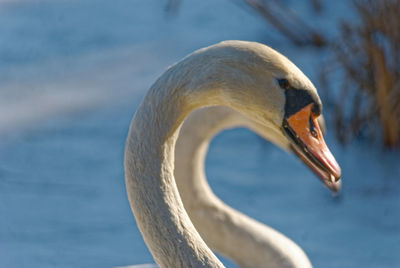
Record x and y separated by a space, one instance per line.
307 142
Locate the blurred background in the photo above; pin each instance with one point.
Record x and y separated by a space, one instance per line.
73 72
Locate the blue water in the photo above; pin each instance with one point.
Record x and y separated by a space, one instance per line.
72 75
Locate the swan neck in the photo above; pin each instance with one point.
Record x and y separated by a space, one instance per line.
152 192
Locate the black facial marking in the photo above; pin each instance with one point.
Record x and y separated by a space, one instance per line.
297 99
316 109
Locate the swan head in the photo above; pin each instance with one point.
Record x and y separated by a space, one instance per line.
267 87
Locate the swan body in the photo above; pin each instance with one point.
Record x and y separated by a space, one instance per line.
248 77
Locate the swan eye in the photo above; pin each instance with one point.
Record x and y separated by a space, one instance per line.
284 83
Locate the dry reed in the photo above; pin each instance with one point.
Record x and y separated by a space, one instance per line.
369 54
288 23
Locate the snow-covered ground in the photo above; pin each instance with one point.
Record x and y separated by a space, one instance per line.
71 76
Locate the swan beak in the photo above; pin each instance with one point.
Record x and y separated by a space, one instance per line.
308 143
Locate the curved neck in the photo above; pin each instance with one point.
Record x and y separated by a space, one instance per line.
229 232
149 163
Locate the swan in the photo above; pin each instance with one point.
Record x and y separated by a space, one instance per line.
250 78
